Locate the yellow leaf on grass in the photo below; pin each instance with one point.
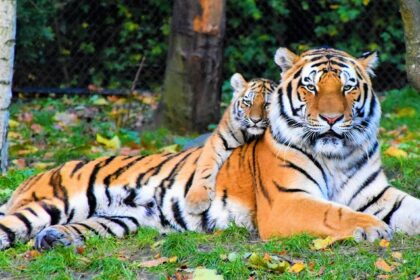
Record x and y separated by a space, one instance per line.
43 165
13 123
14 135
406 112
113 143
170 149
320 244
173 259
384 243
297 267
395 152
397 255
206 274
383 265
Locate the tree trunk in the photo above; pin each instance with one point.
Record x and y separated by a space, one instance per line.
192 86
410 13
7 54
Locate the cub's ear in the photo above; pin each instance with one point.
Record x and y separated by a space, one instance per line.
238 83
285 59
369 60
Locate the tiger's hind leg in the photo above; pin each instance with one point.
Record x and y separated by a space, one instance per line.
24 223
75 233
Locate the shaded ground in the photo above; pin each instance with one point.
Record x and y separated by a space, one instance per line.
46 132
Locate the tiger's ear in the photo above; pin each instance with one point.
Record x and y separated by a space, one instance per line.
285 59
369 60
238 83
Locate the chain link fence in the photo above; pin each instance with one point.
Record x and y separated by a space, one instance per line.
84 46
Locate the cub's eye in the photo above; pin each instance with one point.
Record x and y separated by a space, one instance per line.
246 103
310 87
266 105
347 88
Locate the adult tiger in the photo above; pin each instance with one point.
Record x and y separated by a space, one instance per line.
317 170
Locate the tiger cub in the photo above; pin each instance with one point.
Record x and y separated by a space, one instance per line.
244 119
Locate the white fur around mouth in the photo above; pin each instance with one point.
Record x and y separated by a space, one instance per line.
255 130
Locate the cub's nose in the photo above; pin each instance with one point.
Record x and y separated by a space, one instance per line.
255 119
331 118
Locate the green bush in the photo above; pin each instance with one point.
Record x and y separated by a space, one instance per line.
81 43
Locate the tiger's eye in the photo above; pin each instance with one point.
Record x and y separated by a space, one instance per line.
246 103
347 88
310 87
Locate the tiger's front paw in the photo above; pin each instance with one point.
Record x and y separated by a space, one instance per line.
371 229
54 236
198 200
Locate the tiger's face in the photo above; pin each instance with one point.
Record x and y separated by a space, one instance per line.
251 101
325 101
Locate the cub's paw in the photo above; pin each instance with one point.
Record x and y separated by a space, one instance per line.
54 236
372 232
198 200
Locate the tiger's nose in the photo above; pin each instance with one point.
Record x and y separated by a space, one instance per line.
255 119
331 118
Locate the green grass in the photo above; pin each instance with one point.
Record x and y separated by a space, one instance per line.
225 251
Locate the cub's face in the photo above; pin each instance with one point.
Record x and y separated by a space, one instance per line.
327 101
251 101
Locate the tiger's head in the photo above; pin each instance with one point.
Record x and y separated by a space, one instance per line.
250 103
325 101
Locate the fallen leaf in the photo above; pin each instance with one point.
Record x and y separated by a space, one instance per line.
406 112
170 149
66 119
13 123
206 274
80 250
383 276
256 260
14 135
157 244
20 163
296 268
42 165
114 143
36 128
283 253
395 152
127 151
153 263
26 117
28 149
173 259
233 256
383 265
32 254
384 243
321 271
397 255
217 232
320 244
311 266
267 257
